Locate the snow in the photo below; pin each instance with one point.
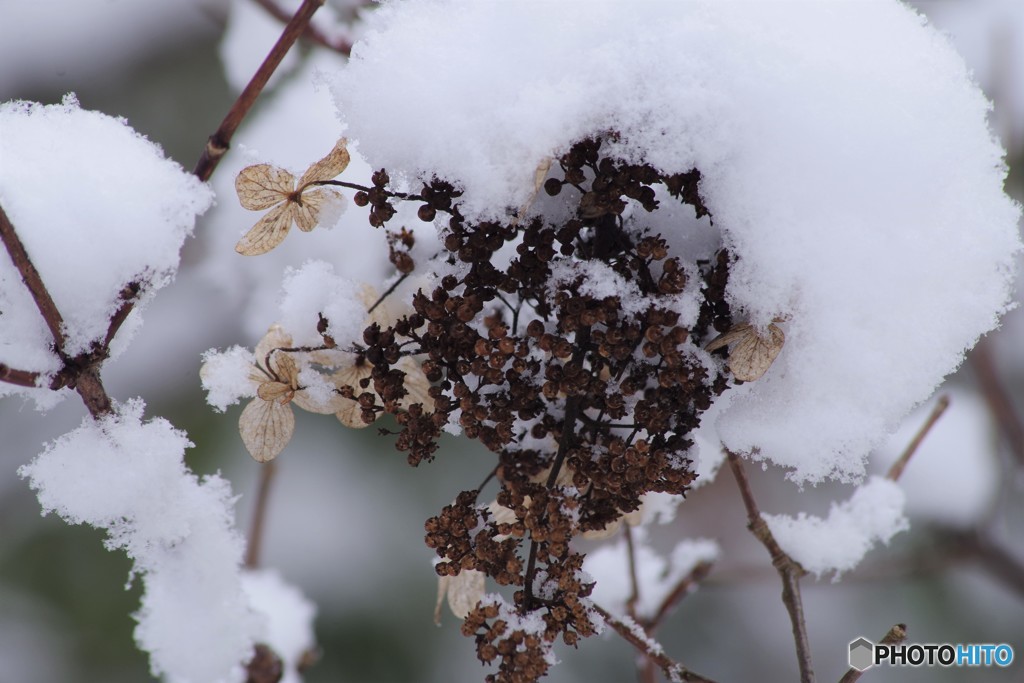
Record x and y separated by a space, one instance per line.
289 616
227 376
129 477
845 158
89 225
314 289
839 542
657 575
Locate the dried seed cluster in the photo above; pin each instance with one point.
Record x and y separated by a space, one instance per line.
587 399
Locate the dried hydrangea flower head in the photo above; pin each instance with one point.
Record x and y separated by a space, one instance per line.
264 186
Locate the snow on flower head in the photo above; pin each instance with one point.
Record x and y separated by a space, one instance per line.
844 158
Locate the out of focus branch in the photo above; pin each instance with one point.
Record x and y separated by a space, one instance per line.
634 634
789 569
218 144
897 467
994 559
311 32
259 515
998 398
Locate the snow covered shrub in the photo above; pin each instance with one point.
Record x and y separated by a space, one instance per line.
664 235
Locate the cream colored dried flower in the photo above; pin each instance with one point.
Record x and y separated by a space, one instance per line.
751 354
267 423
264 186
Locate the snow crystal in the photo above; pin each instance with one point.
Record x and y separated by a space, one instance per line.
874 513
129 477
315 289
289 617
845 160
98 207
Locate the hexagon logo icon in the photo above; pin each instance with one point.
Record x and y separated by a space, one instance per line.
862 653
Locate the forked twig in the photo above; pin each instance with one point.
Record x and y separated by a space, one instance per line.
218 144
81 373
789 569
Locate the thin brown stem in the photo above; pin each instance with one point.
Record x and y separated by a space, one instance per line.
897 634
218 144
634 585
311 32
30 276
998 398
901 463
634 634
699 572
259 515
22 378
789 570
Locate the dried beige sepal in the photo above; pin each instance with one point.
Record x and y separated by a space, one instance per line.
751 354
539 174
464 591
266 428
264 186
350 413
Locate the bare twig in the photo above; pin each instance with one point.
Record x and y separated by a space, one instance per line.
311 32
998 398
34 283
259 515
22 378
634 634
897 634
219 143
634 585
897 467
681 589
789 569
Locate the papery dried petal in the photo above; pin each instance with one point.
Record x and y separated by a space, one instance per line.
351 412
464 591
275 338
752 354
416 384
268 232
275 391
307 210
262 186
266 428
329 167
285 367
